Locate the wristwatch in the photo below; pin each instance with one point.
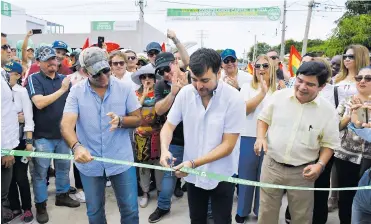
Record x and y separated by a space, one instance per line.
29 141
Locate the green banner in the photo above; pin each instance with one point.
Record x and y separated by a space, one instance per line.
6 9
212 14
208 175
102 25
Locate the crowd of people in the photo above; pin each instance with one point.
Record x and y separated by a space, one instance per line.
176 110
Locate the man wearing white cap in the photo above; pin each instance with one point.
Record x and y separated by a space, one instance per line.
117 109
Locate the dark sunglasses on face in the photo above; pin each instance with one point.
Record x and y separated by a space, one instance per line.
103 71
5 47
274 57
359 78
227 60
144 76
116 63
259 66
350 56
132 58
153 53
163 70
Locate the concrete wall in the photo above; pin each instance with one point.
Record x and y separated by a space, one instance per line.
126 39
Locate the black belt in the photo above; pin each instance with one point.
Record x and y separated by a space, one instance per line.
289 165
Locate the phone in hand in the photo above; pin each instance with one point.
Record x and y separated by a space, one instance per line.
100 42
363 115
37 31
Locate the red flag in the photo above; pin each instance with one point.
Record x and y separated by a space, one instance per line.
86 44
163 48
250 68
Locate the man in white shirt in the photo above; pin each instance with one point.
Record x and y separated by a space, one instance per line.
212 112
230 73
296 129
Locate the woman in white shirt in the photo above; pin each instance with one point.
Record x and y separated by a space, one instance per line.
23 107
256 93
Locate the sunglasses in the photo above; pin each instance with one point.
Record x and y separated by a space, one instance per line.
103 71
5 46
132 58
350 56
359 78
227 60
163 70
259 66
116 63
144 76
152 53
274 57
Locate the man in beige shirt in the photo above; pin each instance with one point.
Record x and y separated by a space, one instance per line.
297 128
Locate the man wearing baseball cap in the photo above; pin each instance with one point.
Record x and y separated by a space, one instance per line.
230 73
165 92
153 49
117 108
48 91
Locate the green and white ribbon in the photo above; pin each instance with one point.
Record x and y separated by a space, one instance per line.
208 175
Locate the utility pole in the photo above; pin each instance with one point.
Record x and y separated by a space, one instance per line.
282 53
202 35
255 48
141 5
307 26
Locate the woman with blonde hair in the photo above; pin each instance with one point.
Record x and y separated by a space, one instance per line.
256 93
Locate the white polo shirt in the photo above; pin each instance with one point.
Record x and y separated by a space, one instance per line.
204 129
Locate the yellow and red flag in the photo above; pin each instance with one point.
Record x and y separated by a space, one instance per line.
294 60
250 68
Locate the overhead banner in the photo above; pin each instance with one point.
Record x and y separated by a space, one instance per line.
6 9
214 14
113 25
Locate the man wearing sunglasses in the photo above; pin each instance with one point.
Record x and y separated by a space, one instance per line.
5 50
230 73
117 108
48 91
153 49
165 92
132 61
272 54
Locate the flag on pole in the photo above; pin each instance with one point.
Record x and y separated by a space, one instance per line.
294 60
163 48
86 44
250 68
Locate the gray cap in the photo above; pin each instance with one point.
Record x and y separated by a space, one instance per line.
45 53
93 59
144 70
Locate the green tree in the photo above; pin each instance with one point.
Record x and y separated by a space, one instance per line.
219 51
357 7
261 48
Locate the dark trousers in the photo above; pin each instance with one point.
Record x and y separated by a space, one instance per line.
20 181
76 174
221 203
365 165
348 176
6 178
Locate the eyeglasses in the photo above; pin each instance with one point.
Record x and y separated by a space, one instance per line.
5 47
350 56
274 57
116 63
144 76
152 53
163 70
359 78
230 59
259 66
103 71
132 58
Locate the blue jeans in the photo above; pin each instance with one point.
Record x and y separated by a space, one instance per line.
169 180
249 169
41 166
361 209
126 192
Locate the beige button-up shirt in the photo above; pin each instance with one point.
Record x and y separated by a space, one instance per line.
298 131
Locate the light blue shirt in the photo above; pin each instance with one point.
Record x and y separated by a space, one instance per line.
364 133
204 128
93 126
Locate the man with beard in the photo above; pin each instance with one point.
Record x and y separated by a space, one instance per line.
5 50
335 64
48 91
61 50
212 111
102 109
